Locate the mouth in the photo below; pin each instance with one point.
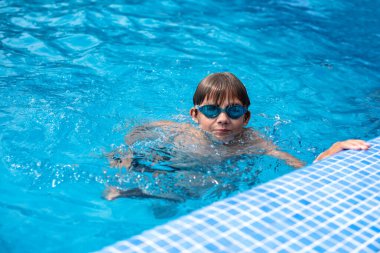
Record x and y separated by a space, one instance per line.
222 131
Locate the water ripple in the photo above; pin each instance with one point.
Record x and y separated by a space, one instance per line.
68 20
33 45
78 42
22 22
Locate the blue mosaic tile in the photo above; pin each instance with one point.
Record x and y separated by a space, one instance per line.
319 249
173 250
260 250
373 247
211 247
332 205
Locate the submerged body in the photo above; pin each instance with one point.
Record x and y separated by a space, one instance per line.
190 159
197 143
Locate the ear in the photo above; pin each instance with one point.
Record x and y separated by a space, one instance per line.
247 117
194 114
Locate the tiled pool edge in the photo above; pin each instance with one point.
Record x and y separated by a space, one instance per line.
329 206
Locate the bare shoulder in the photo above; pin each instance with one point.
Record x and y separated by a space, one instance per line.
188 134
147 131
251 136
254 142
158 129
164 123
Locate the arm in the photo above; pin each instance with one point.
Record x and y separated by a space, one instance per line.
122 158
272 150
288 158
112 193
342 145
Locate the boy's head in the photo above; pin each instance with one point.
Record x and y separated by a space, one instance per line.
219 87
221 105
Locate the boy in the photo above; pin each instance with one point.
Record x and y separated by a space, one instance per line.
221 112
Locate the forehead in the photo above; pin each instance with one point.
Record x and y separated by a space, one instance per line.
222 100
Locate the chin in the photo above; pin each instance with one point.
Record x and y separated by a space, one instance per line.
224 138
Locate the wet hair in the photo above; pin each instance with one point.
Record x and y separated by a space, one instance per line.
219 87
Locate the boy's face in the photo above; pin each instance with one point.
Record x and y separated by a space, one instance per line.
221 127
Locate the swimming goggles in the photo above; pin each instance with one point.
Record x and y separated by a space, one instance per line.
213 111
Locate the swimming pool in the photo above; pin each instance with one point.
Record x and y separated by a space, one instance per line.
75 77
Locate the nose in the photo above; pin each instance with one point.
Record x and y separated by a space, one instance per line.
223 118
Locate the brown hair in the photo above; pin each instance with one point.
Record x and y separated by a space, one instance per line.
221 86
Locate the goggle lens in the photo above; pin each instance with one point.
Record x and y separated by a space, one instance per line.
213 111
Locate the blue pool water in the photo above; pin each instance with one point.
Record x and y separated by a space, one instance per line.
76 77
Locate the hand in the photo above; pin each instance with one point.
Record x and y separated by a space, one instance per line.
120 159
120 162
342 145
111 193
